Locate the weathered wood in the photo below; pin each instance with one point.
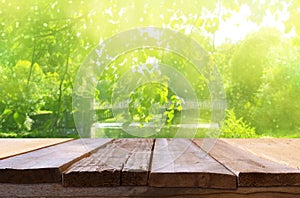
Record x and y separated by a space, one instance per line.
176 163
105 167
57 190
252 170
15 146
45 165
136 168
180 163
281 150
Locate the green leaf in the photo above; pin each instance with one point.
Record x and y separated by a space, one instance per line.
19 118
6 112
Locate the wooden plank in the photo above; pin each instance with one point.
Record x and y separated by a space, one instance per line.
57 190
45 165
105 167
180 163
136 169
15 146
281 150
252 170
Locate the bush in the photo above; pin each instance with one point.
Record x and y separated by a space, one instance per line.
234 127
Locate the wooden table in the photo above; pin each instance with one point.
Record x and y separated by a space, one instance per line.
149 167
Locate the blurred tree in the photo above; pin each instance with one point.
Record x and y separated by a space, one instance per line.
43 43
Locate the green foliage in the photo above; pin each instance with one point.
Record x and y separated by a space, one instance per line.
43 43
293 20
236 127
147 101
249 60
278 105
20 97
247 66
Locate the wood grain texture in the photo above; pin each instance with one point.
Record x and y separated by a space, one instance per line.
15 146
122 162
180 163
57 190
281 150
45 165
252 170
136 169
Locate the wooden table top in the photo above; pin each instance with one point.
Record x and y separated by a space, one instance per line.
231 164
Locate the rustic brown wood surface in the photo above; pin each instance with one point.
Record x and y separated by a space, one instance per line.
284 151
147 168
104 167
45 165
16 146
252 170
180 163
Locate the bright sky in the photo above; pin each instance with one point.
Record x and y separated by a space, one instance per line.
236 28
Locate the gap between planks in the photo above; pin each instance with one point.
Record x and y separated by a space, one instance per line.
127 162
122 162
39 166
